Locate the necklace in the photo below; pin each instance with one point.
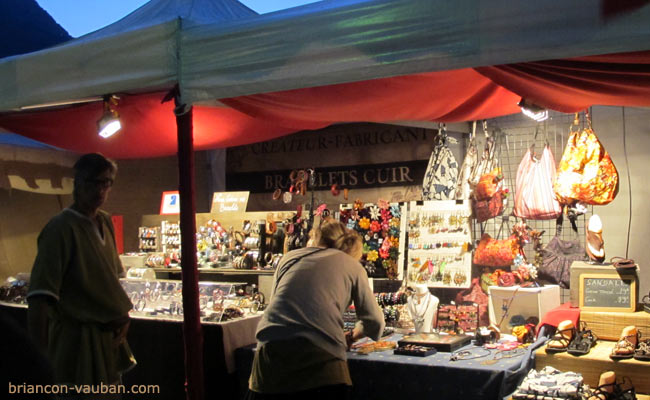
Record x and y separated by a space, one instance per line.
419 312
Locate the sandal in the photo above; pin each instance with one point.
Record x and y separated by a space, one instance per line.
582 342
623 264
613 390
560 341
626 345
642 353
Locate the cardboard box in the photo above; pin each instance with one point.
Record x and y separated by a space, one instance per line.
584 267
609 325
527 302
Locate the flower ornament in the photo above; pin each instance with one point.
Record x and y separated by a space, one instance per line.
383 204
351 224
375 226
358 204
518 260
385 225
395 211
372 256
506 279
393 232
374 212
385 214
394 222
384 253
364 223
366 248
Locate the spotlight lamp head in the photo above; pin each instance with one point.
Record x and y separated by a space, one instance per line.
109 123
533 111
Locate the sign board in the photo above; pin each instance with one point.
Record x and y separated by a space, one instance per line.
606 292
229 202
170 203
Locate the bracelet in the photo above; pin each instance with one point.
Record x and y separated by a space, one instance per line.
140 304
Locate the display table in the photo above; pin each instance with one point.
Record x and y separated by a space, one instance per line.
384 375
157 345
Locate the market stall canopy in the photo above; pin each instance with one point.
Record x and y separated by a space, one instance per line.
33 166
256 77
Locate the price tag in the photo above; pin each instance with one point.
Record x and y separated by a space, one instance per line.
170 203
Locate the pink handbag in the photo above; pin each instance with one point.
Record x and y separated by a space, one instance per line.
534 196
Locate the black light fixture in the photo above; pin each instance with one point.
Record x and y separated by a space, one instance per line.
109 123
533 111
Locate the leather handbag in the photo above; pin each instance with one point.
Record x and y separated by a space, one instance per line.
586 172
496 252
557 257
489 208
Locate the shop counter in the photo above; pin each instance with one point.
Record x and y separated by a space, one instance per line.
384 375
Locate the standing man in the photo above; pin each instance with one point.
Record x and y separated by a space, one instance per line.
78 311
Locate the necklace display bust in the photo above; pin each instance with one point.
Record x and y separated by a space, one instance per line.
422 306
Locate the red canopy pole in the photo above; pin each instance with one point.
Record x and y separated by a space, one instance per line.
192 333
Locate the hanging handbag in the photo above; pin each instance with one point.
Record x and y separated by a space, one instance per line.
586 172
488 161
558 255
464 187
534 196
442 171
496 252
490 208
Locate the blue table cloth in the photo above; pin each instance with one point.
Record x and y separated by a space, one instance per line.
384 375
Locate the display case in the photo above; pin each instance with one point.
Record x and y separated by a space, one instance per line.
218 301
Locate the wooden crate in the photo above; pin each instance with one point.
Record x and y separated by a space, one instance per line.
608 325
584 267
596 362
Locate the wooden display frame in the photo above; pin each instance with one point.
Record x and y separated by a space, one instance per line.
630 306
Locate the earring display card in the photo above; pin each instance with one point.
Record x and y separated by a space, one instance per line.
439 252
457 319
440 342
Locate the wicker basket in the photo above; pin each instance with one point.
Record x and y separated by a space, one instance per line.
609 325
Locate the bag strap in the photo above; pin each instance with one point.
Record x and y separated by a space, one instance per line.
560 220
291 264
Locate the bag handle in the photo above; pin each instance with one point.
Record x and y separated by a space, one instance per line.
560 220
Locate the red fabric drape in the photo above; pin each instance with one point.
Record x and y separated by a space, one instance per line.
445 96
148 128
574 84
460 95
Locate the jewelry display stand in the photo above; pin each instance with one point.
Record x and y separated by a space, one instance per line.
439 252
422 306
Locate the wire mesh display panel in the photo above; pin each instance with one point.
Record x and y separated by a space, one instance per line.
515 134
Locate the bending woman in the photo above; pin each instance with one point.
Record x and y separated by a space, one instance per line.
301 346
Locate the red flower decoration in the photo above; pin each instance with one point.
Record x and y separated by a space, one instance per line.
507 279
375 226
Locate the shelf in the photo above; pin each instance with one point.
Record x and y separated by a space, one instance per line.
596 362
221 271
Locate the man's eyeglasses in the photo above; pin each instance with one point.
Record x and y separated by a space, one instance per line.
100 182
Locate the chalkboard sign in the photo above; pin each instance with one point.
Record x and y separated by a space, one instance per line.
607 292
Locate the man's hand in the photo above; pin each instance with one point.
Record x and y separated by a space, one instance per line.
119 335
37 320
